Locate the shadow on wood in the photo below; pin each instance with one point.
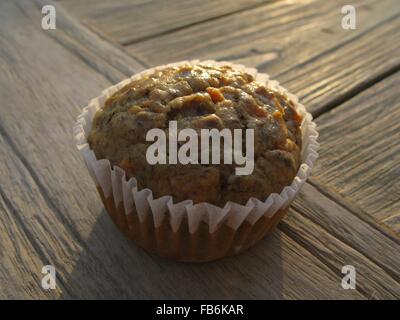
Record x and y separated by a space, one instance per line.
149 276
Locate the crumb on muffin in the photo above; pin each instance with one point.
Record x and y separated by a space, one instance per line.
200 96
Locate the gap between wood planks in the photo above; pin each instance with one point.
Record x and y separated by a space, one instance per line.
127 43
152 18
353 208
372 278
285 227
339 100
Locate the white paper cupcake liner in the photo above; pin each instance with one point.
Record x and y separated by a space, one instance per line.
113 183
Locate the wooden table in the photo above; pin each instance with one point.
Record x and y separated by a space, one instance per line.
347 214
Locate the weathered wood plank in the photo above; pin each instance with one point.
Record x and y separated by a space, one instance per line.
56 204
42 86
300 43
128 21
338 237
372 242
339 74
363 165
18 258
353 208
29 239
96 52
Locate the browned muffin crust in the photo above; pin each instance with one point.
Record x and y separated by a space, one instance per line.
200 96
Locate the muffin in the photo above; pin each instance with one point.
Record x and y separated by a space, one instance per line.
197 211
200 96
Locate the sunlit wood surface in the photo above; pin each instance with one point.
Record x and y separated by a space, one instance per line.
347 214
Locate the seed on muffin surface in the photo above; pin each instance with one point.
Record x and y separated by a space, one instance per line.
200 96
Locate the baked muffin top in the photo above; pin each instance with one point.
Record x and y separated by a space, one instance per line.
200 96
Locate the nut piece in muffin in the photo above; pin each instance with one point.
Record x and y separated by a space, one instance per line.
200 96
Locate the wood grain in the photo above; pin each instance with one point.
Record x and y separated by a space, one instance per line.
128 21
363 165
99 54
338 237
57 216
302 44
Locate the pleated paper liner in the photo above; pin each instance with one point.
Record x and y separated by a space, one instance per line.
185 231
